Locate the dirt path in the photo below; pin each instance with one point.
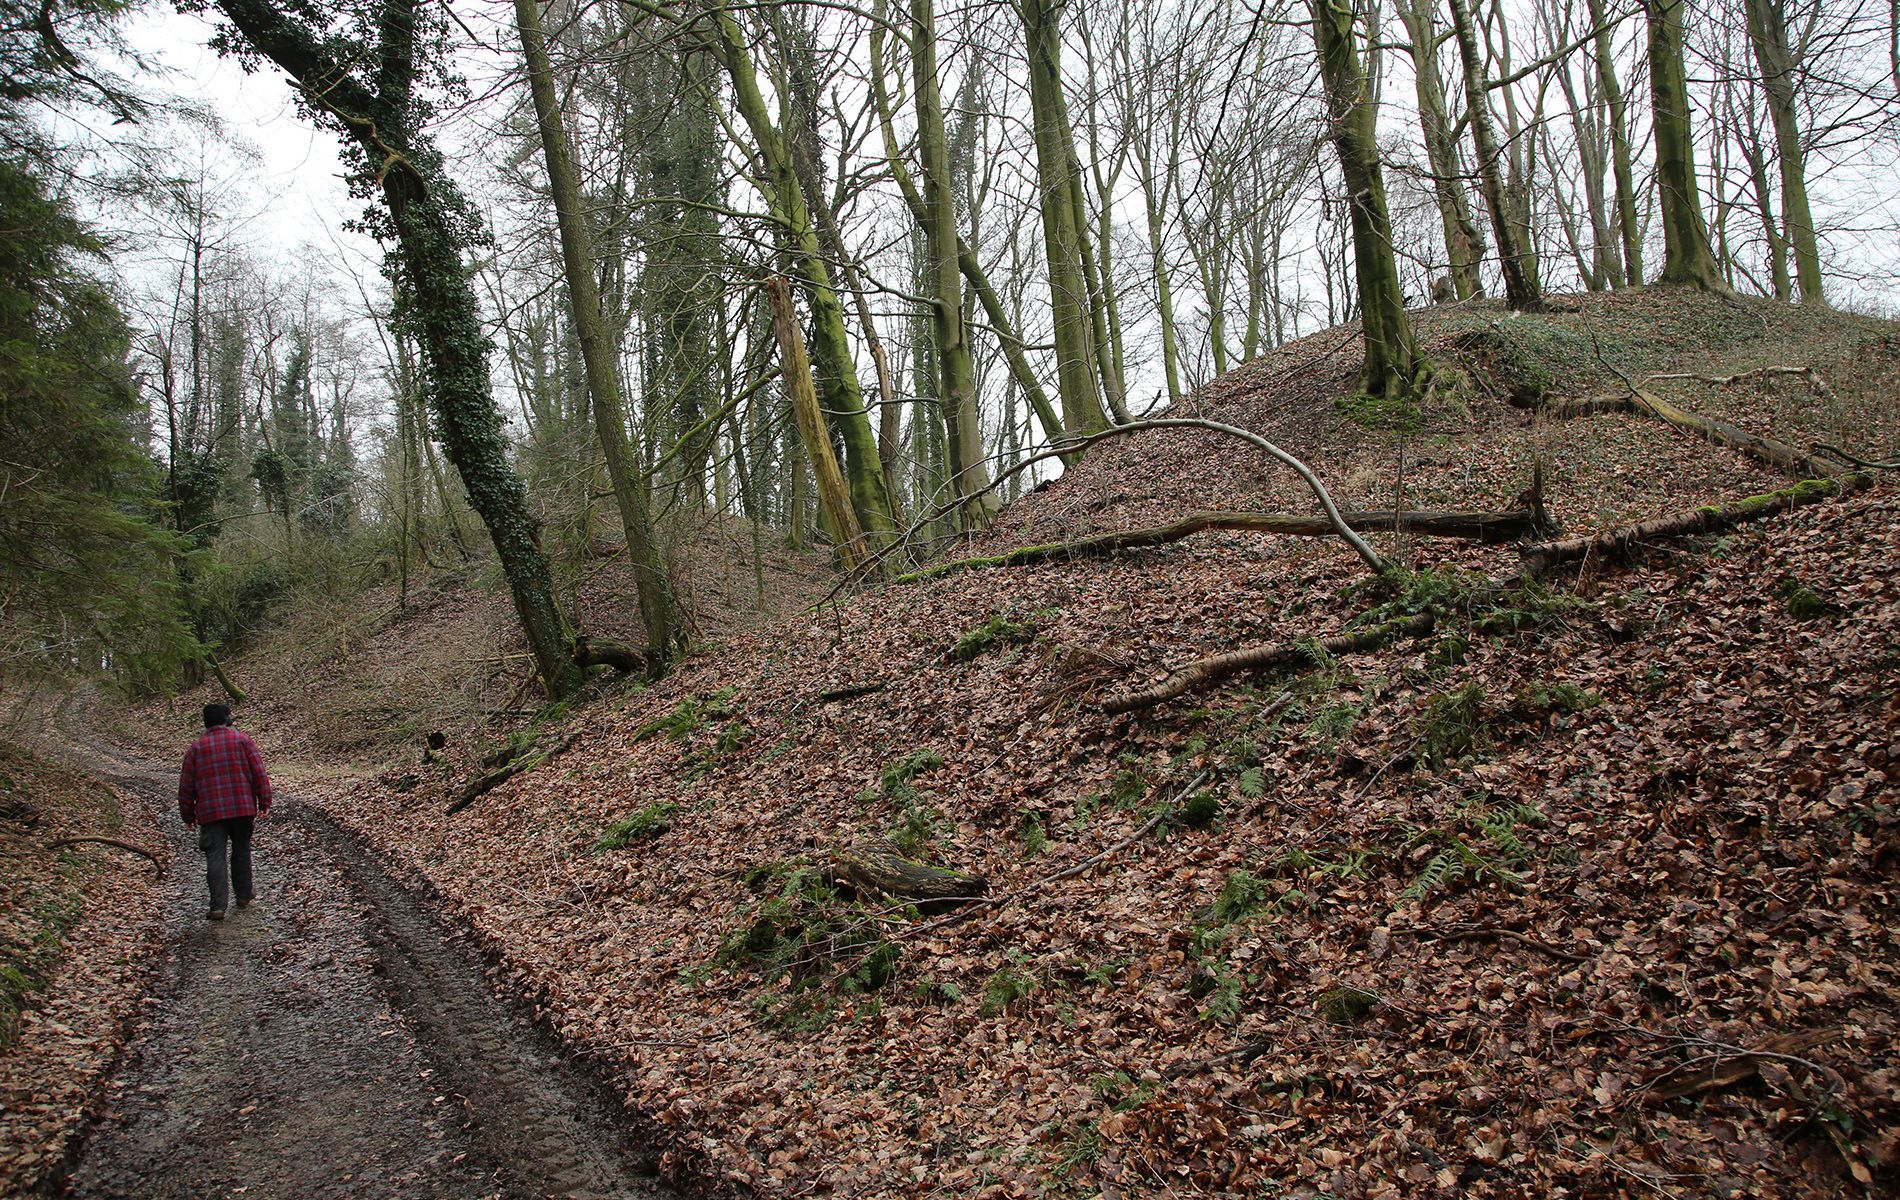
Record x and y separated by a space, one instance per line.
336 1039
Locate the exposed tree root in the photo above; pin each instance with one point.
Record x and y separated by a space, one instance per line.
1476 526
157 866
1711 518
1206 671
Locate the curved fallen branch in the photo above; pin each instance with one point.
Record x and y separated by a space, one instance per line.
157 867
1711 518
1203 672
1473 526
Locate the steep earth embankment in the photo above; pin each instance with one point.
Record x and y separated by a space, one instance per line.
1587 893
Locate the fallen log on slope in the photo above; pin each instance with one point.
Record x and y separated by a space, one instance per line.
1769 451
884 872
1470 526
1205 671
1710 518
1777 454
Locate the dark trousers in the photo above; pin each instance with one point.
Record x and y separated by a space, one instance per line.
216 838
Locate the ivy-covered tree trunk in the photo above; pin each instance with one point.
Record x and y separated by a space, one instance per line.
1393 363
431 225
597 351
1687 259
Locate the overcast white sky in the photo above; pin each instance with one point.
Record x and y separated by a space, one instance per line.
280 172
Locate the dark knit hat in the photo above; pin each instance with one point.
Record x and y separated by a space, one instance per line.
216 714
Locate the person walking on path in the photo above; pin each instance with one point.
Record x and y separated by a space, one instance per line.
223 789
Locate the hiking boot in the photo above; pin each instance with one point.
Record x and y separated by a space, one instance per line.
246 902
216 914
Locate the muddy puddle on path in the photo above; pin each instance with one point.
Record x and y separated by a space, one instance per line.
336 1040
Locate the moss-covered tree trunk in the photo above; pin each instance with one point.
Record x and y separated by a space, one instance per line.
1393 364
597 350
431 226
956 366
1687 259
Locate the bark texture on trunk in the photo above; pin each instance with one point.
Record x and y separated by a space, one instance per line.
1687 258
834 500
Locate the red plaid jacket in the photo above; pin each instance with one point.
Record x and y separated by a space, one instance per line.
223 777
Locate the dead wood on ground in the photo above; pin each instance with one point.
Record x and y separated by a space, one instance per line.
494 779
883 871
1710 518
1204 672
1470 526
157 866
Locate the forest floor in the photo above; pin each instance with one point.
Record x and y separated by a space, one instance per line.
1589 893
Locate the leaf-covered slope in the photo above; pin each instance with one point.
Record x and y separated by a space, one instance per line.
1453 919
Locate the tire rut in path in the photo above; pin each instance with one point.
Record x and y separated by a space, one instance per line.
336 1039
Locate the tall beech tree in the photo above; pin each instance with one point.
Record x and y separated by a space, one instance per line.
1393 363
1059 191
597 349
358 74
1687 258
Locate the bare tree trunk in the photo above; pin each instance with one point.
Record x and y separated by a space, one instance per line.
1620 158
1768 32
1515 257
844 403
1464 245
956 368
1062 241
1393 365
833 497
